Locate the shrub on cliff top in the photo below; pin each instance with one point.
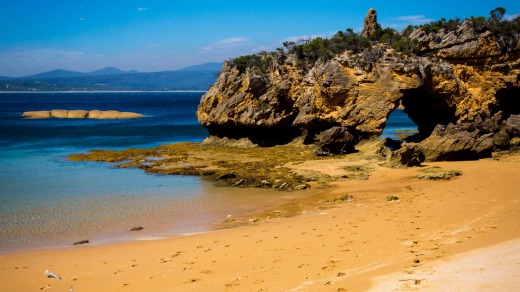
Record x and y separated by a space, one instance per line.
311 50
259 63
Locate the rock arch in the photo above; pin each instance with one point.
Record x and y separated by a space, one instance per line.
427 110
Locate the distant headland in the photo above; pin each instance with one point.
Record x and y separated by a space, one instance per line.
197 77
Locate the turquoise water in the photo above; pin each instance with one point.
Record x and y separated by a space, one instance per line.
48 201
399 123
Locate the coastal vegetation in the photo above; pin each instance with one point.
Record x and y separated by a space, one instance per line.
311 50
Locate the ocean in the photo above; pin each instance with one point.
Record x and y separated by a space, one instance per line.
47 201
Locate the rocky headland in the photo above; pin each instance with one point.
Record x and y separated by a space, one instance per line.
81 114
457 80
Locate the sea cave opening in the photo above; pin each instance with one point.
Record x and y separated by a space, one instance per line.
508 101
398 128
417 113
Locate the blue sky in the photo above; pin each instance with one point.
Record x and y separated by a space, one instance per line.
158 35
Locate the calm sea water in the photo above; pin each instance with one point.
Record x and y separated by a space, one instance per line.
46 200
399 123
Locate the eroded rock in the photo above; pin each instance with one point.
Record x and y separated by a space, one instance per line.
336 140
469 80
451 142
370 25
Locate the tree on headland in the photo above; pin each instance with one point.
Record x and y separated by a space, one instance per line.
497 14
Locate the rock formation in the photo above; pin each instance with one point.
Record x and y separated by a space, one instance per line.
81 114
461 88
370 25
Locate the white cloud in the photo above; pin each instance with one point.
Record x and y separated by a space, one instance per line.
414 19
511 17
81 19
234 40
142 9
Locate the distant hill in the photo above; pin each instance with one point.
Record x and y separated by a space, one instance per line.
110 71
199 77
59 73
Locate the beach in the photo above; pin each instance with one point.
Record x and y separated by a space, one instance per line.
352 236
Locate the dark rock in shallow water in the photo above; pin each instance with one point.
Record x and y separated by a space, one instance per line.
81 242
228 175
138 228
336 140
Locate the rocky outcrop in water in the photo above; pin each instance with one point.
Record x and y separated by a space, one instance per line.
81 114
460 87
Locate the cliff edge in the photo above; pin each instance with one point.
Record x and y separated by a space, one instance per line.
459 83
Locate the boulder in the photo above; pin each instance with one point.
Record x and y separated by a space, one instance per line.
37 114
94 114
513 125
109 115
451 142
59 114
336 140
501 140
514 144
77 114
129 115
409 155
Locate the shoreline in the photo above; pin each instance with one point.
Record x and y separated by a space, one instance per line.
332 245
226 203
110 91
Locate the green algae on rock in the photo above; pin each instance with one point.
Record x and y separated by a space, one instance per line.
252 166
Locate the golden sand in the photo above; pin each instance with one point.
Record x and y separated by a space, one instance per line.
436 235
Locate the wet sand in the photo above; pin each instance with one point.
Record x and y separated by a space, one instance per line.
435 236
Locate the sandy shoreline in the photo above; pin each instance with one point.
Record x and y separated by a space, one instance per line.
351 244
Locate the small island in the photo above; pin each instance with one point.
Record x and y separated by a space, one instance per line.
81 114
